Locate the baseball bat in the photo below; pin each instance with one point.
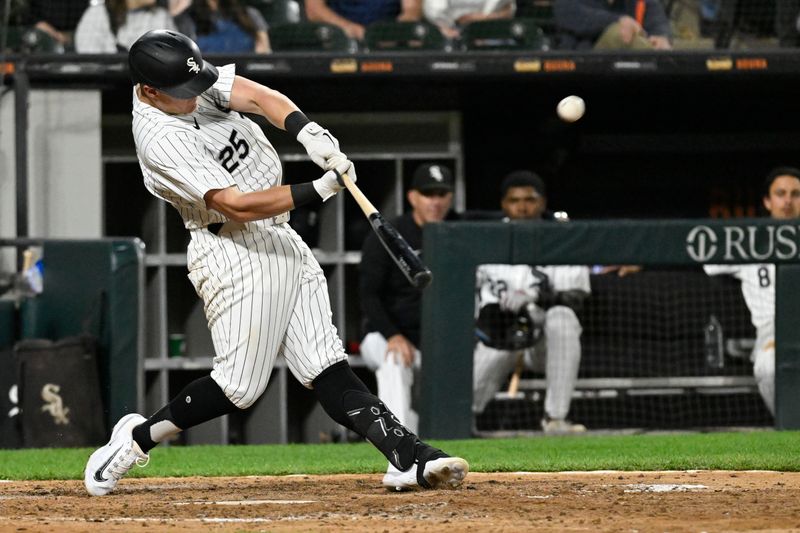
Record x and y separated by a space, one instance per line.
513 385
407 261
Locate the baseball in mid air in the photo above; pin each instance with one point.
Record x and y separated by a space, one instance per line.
571 108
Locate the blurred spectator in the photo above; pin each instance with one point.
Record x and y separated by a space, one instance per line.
709 16
612 24
781 199
109 26
57 18
354 16
787 23
176 7
452 15
528 315
392 307
223 26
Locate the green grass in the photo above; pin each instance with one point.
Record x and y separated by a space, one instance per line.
759 450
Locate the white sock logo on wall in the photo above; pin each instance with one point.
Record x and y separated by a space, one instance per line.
54 404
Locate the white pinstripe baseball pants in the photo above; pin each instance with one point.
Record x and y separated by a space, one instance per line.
265 294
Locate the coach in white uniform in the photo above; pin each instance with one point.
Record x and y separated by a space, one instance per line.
264 292
529 311
782 200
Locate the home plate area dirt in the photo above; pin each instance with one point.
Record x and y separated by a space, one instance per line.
567 501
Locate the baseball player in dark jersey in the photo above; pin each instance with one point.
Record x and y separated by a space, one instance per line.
264 292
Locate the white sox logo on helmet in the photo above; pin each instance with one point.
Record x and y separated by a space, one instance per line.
193 66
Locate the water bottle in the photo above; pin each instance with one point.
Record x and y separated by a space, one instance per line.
715 355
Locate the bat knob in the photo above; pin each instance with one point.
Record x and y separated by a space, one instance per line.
423 279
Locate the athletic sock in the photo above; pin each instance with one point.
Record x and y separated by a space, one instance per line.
200 401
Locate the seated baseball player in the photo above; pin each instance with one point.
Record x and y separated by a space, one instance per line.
781 199
529 313
392 307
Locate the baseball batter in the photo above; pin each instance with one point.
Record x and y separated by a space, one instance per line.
530 312
264 292
782 200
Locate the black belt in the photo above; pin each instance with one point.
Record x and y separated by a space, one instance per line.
215 227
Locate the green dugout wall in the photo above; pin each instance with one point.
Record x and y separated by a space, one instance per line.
453 250
96 287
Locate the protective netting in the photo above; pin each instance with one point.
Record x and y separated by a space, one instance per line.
659 349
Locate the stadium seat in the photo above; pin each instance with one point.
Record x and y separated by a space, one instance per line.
540 11
394 36
277 12
505 34
31 40
309 36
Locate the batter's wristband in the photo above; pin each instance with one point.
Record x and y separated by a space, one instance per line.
303 193
294 122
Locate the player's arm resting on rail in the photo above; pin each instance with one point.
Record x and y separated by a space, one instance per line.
248 96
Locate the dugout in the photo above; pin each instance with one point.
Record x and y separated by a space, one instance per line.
699 128
92 287
448 304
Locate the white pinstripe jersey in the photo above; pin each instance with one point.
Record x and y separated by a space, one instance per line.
184 156
758 289
494 279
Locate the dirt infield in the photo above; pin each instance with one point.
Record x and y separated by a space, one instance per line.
598 501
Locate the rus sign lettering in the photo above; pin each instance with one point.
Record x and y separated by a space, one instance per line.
743 243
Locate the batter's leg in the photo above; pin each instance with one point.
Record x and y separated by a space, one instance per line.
348 401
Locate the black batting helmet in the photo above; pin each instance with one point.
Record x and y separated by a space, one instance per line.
170 62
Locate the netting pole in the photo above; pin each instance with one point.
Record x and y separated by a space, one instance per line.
21 101
787 347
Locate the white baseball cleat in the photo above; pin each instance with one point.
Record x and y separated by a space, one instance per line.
445 472
108 464
558 426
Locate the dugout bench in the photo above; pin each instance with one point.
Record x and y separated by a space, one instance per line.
662 349
448 304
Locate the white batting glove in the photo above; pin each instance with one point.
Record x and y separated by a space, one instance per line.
327 186
514 300
344 166
321 145
330 184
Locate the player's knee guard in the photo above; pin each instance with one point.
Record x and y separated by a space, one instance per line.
348 401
